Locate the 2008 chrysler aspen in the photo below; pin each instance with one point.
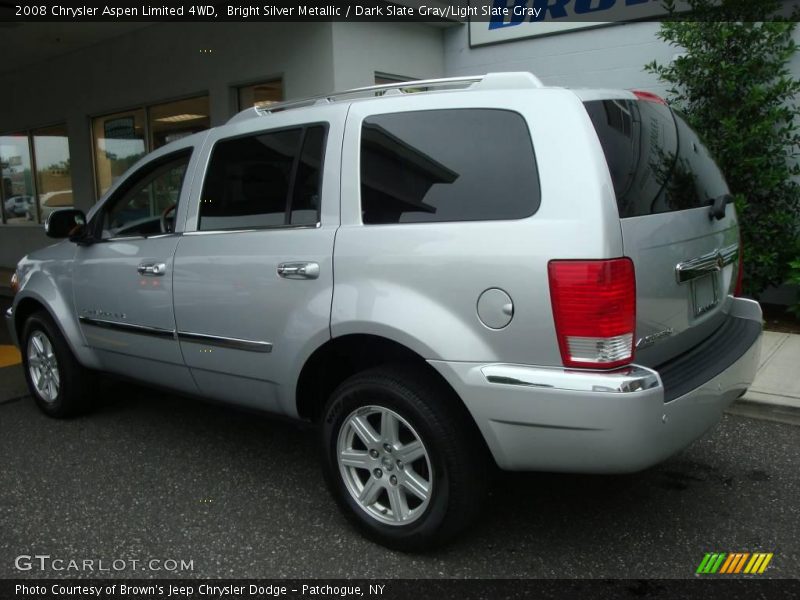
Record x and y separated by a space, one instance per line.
486 271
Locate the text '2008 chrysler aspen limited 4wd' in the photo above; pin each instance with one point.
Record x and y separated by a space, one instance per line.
487 271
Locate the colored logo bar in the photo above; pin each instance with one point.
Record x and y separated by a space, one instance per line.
734 563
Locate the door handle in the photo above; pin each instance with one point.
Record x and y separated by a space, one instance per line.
156 269
298 270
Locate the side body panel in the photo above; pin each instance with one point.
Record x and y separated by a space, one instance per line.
419 283
227 286
110 294
46 277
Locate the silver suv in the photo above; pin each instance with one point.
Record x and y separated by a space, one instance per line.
486 271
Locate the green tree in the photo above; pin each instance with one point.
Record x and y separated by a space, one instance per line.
732 82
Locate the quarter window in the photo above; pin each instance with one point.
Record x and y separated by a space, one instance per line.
447 165
267 180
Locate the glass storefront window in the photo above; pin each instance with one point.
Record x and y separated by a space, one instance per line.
119 141
17 191
53 170
123 138
387 79
174 120
260 94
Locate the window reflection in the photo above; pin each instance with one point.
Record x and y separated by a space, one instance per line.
53 170
119 141
260 94
17 190
175 120
656 161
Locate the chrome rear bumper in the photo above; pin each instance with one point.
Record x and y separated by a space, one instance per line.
555 419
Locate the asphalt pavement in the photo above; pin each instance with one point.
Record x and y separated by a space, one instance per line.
150 475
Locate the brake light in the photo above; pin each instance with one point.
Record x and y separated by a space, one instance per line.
649 97
737 291
594 309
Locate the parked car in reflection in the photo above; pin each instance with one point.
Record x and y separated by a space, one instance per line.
17 206
49 202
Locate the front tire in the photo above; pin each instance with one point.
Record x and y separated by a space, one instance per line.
56 380
402 458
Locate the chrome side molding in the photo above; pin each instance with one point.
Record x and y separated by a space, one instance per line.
128 327
225 342
620 381
183 336
712 262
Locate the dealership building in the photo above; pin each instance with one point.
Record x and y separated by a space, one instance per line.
83 101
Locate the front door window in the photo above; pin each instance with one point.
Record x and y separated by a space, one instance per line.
148 205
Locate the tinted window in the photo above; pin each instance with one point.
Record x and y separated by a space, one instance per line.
447 165
266 180
308 180
657 163
696 160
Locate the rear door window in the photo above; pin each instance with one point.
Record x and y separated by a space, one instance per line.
447 165
657 163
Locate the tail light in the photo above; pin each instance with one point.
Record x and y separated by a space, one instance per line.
649 97
594 309
737 291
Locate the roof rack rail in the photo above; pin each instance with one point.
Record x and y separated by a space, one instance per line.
490 81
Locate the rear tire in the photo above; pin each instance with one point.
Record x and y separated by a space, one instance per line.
57 381
402 459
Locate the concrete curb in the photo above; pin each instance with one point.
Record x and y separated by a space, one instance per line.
775 393
765 411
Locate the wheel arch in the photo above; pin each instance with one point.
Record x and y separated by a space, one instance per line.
24 307
341 357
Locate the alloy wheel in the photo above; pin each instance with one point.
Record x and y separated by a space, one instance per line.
385 465
43 366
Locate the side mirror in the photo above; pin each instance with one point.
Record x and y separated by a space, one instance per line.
65 223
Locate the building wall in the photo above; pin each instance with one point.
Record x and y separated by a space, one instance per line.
604 57
411 50
164 62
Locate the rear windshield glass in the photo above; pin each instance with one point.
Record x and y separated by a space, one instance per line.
447 165
657 163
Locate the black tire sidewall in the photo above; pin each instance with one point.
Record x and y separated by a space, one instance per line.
422 532
69 399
